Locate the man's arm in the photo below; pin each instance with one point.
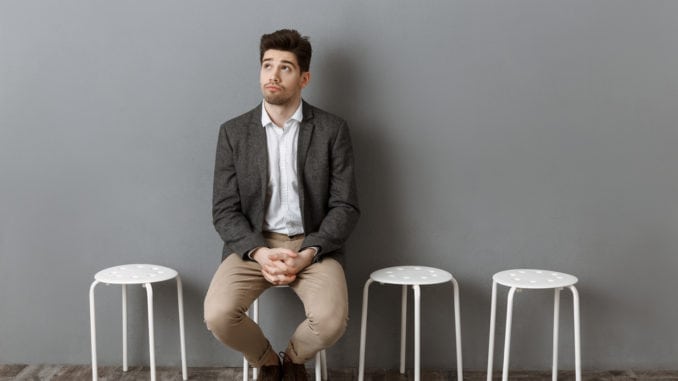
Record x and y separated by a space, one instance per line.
344 211
229 221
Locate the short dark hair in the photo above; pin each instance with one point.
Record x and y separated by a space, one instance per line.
288 40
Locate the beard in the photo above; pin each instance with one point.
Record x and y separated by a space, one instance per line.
278 99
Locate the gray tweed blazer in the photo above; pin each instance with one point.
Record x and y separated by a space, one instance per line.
327 188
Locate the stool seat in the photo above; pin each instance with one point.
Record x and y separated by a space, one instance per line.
415 277
534 279
517 279
135 274
409 275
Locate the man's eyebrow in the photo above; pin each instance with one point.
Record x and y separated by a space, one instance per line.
283 61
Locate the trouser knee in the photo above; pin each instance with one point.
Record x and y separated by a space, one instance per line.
221 320
330 327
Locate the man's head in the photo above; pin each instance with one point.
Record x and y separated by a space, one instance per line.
285 60
288 40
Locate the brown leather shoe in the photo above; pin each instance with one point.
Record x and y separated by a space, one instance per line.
270 373
292 371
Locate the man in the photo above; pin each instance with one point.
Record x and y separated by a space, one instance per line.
284 203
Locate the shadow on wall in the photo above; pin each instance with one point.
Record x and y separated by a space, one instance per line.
378 238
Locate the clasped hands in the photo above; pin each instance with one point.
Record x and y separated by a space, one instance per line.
280 266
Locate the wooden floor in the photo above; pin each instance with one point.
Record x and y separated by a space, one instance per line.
83 372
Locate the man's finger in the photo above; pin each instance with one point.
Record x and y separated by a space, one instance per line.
275 256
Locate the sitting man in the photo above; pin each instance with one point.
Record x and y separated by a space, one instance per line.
284 203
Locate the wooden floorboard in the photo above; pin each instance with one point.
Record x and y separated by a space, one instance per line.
111 373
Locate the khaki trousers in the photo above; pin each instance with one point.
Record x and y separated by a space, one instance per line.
236 283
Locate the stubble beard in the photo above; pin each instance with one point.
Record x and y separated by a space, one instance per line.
278 99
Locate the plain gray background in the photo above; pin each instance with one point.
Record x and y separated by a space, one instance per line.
488 135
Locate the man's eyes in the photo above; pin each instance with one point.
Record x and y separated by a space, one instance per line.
282 68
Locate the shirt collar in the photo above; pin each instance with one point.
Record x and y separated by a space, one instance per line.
266 120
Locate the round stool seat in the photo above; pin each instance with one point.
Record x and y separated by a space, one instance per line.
135 274
414 277
534 279
409 275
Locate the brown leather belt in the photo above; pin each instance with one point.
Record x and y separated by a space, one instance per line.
282 237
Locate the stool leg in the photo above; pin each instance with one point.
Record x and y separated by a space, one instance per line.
318 367
124 328
403 329
245 365
255 312
363 331
417 332
182 336
493 315
577 343
556 318
457 330
323 363
507 339
93 330
151 334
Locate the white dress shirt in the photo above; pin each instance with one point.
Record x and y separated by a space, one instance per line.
283 212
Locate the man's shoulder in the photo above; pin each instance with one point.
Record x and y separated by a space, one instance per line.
322 117
243 120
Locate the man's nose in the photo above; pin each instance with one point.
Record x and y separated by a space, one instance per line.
274 76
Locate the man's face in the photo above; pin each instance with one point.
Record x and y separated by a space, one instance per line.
281 78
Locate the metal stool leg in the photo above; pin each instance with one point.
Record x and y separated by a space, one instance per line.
323 363
556 319
457 330
493 320
507 339
255 312
124 328
363 331
245 364
93 330
403 328
417 332
577 343
318 367
151 333
182 336
245 369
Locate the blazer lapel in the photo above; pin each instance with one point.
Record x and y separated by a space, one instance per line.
305 132
257 144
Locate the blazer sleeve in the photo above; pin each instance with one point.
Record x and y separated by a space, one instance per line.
229 220
343 209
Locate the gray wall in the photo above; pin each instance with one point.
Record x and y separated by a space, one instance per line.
489 135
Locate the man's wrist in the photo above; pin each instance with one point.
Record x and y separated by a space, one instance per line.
252 252
313 249
309 254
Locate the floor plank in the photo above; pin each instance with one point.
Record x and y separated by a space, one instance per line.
112 373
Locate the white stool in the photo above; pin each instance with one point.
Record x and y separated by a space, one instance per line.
534 279
136 274
414 276
320 357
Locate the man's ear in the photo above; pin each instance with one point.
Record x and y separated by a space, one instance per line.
305 78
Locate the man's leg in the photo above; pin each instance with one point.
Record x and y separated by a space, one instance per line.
234 287
322 289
